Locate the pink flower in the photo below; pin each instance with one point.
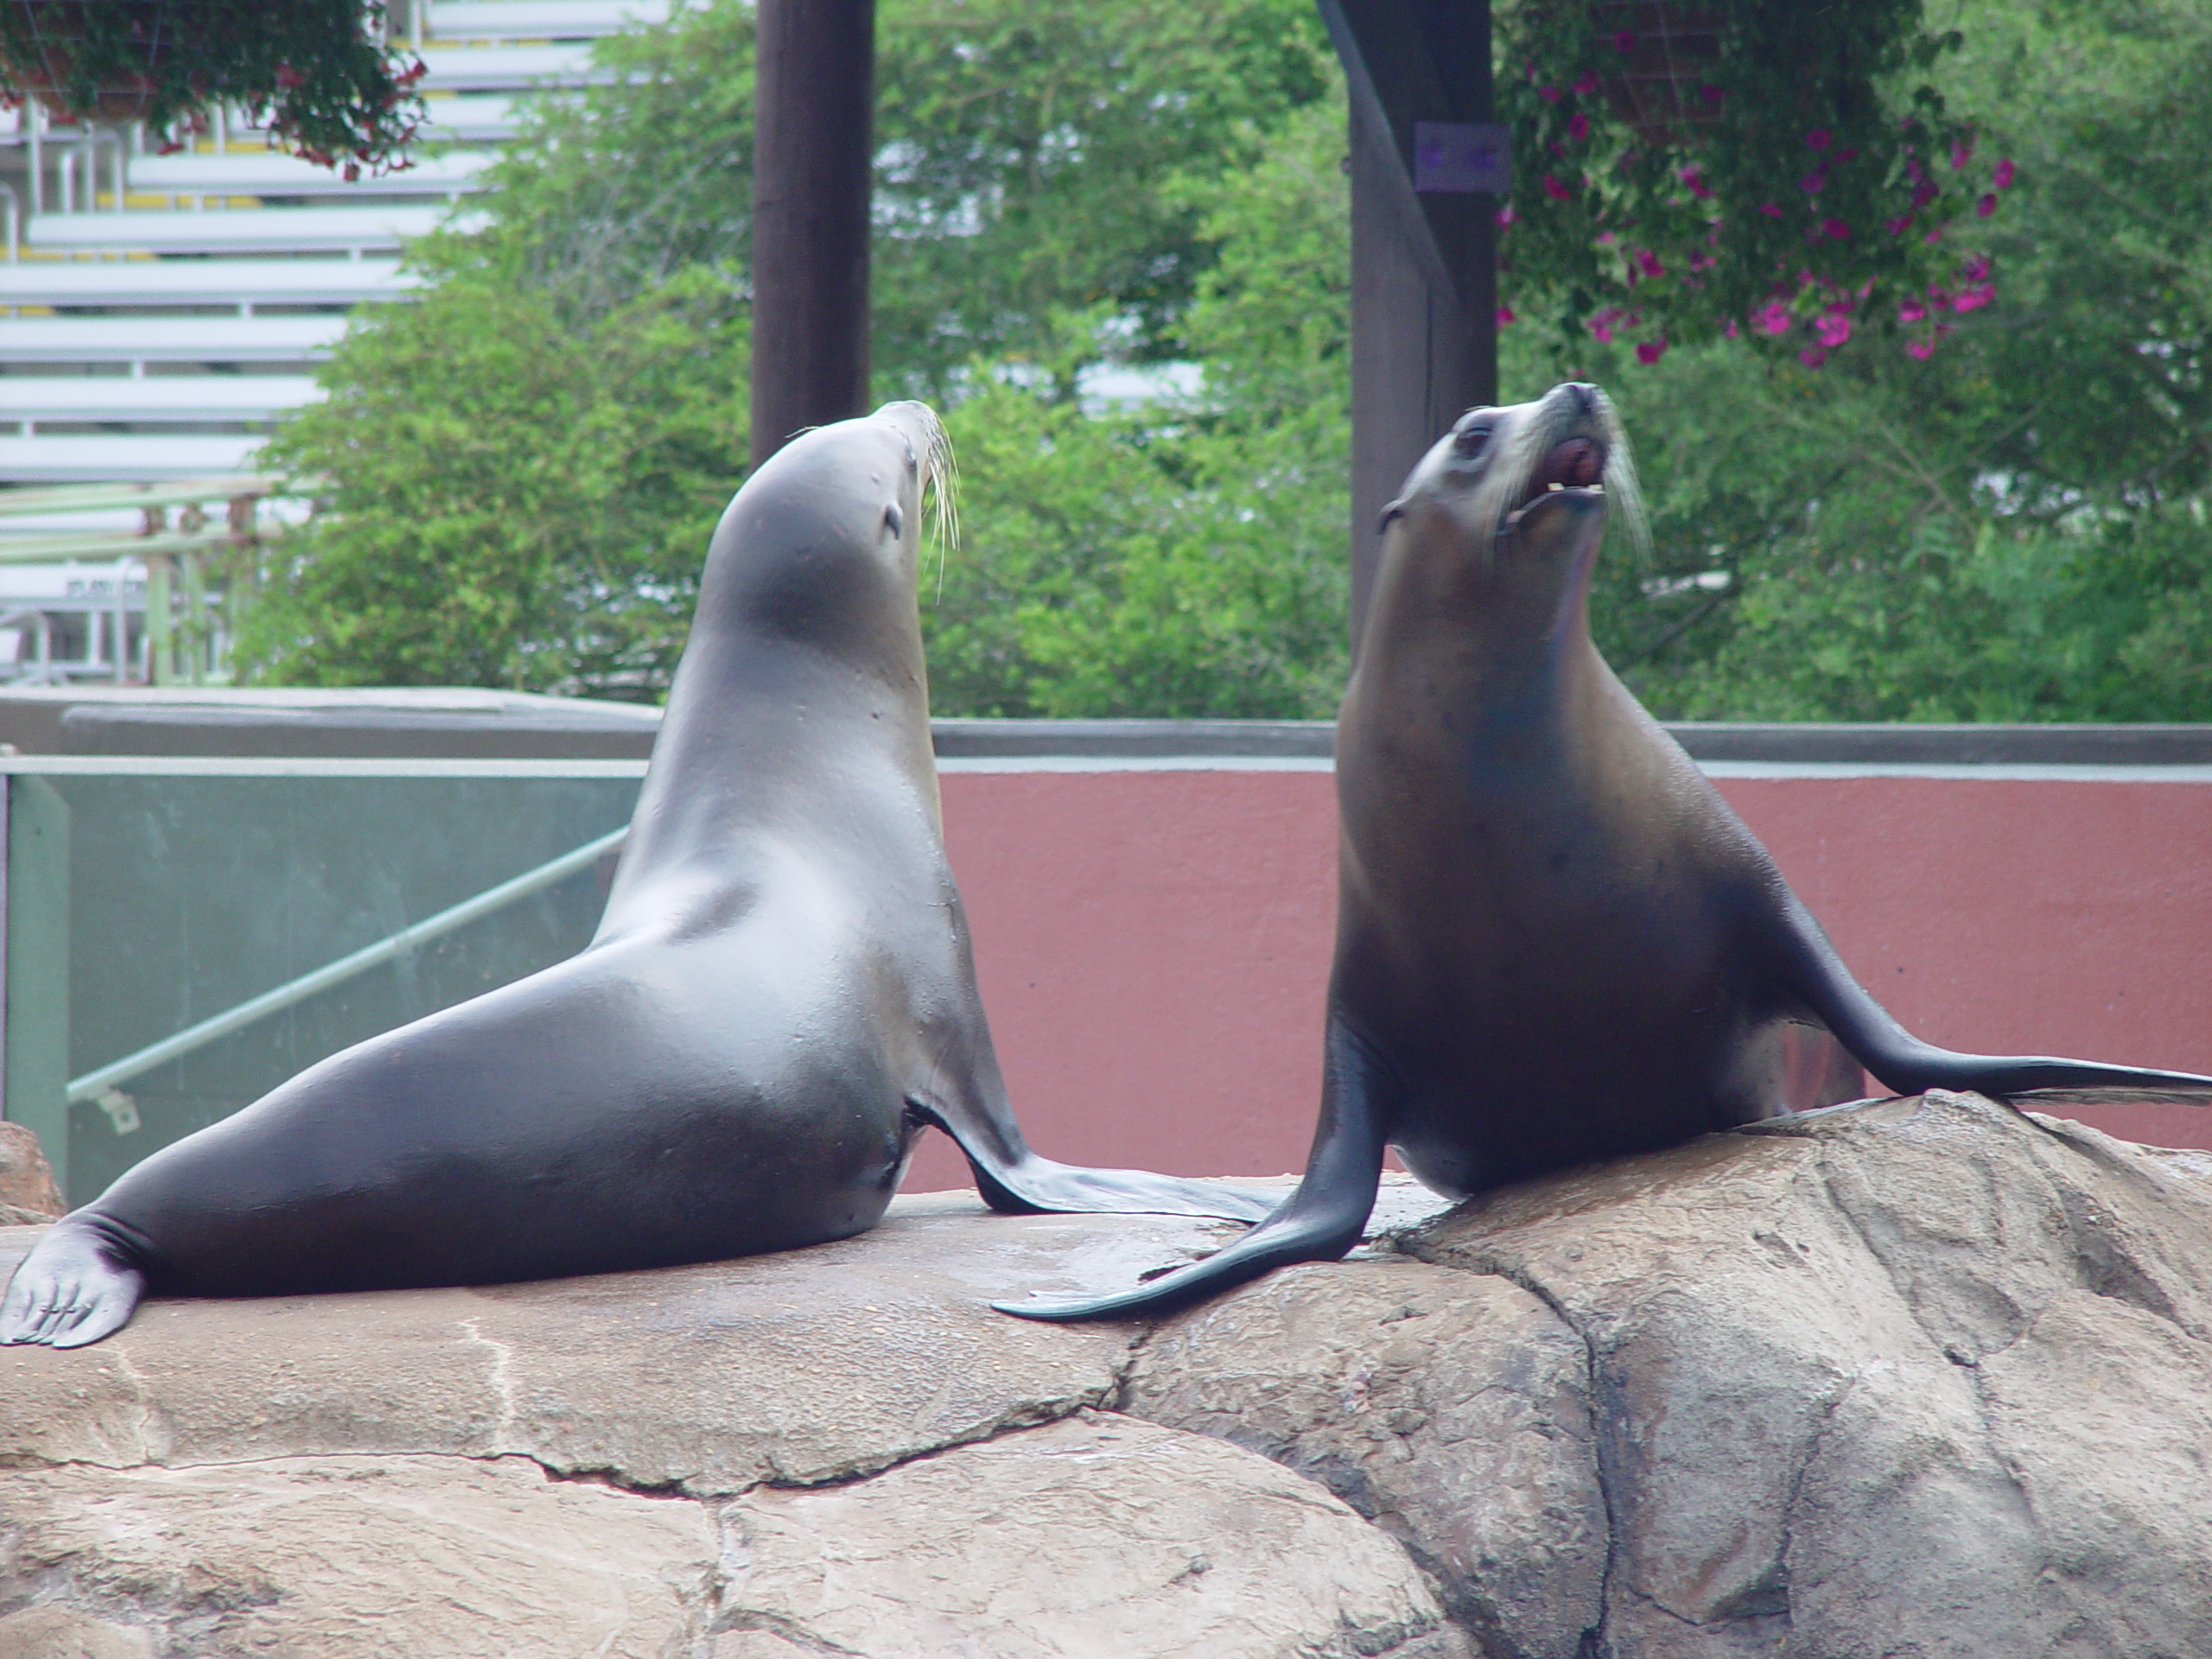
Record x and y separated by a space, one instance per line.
1977 268
1647 263
1836 229
1504 313
1973 299
1934 235
1624 40
1812 357
1606 239
1772 318
1649 352
1507 216
1899 226
1923 195
1732 331
1578 125
1601 326
1555 190
1986 206
1912 311
2003 176
1711 94
1770 209
1818 137
1843 156
1692 177
1550 94
1811 183
1588 84
1962 153
1831 331
1924 348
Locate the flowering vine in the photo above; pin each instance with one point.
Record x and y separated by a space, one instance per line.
318 73
1773 173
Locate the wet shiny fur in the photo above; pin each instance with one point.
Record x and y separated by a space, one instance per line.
779 996
1555 941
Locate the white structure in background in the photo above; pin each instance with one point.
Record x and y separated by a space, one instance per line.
158 312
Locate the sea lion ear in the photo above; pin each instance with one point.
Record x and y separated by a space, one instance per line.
1395 509
894 521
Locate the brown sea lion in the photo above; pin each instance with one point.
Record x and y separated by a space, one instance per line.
779 995
1555 943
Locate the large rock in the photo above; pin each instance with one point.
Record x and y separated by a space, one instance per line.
1909 1379
1915 1378
27 1194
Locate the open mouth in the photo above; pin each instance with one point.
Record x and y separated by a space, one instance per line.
1573 464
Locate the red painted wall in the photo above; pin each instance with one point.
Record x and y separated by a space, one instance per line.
1154 945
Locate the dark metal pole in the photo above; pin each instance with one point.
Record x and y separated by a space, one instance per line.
813 101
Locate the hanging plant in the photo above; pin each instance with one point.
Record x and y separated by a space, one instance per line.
1762 169
317 74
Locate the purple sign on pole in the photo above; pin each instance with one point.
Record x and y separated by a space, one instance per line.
1455 156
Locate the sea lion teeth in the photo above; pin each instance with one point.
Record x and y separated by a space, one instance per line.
1555 943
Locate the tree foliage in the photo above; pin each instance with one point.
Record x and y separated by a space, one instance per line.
519 469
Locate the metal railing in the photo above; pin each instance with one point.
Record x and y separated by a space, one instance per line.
97 1084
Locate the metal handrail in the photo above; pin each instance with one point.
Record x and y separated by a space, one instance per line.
94 1085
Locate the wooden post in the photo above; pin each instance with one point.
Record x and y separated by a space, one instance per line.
1424 277
813 103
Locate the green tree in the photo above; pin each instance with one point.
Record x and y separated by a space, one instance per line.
504 498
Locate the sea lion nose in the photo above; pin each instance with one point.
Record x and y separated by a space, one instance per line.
1584 395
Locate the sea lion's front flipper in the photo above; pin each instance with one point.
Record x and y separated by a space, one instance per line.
76 1286
1805 960
1318 1222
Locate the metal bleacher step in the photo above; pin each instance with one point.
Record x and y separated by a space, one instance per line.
272 172
508 68
177 282
194 398
267 230
554 20
167 340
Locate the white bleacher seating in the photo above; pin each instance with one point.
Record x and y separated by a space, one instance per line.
269 230
506 68
272 172
73 459
200 398
228 266
472 117
145 283
548 20
167 340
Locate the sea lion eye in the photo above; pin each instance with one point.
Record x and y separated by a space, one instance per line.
1470 444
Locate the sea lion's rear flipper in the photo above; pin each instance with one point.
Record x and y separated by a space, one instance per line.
1318 1222
76 1286
1804 959
1016 1181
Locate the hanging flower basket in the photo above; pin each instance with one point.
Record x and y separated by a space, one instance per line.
1663 88
44 43
319 72
1779 174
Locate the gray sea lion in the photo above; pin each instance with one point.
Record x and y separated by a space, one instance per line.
1555 943
779 994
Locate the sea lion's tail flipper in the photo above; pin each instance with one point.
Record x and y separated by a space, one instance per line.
78 1285
1318 1222
1903 1063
